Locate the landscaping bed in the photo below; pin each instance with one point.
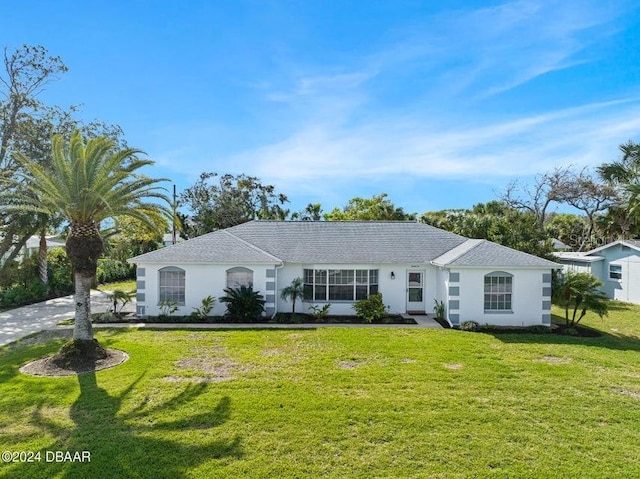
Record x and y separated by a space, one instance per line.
280 318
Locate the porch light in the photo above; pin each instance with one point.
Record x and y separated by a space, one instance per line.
393 275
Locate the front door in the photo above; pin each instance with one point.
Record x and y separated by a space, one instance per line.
415 292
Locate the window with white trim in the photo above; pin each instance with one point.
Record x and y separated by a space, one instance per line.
238 277
339 284
171 285
498 288
615 272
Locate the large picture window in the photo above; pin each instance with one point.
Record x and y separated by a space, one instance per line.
238 277
339 284
498 288
171 282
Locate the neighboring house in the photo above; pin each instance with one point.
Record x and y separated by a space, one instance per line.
616 264
167 239
411 264
558 245
32 246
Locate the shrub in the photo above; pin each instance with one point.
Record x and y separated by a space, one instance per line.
319 313
371 309
205 307
438 309
111 270
60 272
167 308
539 329
243 304
18 294
470 326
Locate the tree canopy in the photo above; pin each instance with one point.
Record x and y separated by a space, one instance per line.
233 200
376 208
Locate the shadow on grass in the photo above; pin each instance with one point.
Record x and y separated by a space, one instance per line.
618 341
141 443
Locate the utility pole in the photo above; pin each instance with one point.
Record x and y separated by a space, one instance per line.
173 237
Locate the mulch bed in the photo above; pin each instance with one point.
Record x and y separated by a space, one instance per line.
46 366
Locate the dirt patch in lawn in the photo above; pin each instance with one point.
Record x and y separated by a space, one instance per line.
453 366
46 366
627 392
210 363
351 364
552 360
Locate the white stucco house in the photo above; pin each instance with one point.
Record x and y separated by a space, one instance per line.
616 264
411 264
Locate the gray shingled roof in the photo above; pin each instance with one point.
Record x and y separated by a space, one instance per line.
216 247
339 242
486 253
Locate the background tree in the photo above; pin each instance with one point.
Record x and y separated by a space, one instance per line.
312 212
87 184
592 196
569 228
27 125
376 208
537 198
494 221
622 219
234 200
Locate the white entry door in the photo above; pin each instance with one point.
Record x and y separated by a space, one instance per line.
415 291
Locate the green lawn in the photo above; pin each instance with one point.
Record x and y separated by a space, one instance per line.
336 402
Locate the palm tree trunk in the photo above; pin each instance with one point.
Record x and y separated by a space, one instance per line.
82 330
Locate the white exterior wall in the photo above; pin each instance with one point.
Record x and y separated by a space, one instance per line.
201 280
394 291
464 298
531 299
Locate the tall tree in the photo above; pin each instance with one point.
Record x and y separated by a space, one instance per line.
588 194
26 72
87 183
312 212
27 125
376 208
537 198
234 200
495 221
622 219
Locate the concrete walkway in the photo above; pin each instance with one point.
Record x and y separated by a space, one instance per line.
20 322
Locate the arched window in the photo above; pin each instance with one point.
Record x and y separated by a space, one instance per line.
237 277
498 288
171 284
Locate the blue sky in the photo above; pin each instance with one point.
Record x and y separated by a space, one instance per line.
438 104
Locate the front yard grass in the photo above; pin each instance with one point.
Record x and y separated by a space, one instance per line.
336 402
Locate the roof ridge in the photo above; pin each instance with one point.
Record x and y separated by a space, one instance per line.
250 245
464 247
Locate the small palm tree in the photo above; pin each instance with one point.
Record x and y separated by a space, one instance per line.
87 183
579 292
294 291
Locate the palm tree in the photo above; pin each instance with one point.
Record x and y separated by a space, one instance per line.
579 292
87 183
294 291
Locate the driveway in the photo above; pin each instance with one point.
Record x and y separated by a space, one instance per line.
20 322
